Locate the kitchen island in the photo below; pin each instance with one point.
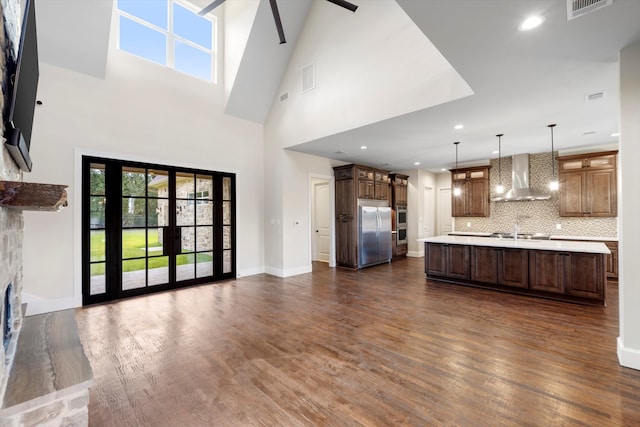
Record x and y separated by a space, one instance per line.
556 269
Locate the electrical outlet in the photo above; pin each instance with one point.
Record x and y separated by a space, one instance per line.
558 226
468 225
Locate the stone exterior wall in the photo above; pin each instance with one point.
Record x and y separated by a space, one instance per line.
11 221
70 410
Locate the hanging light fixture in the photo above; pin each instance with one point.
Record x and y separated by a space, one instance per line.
456 189
500 187
553 184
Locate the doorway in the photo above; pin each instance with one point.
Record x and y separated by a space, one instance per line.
445 220
147 228
321 213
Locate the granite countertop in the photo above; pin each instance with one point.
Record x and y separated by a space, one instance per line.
550 245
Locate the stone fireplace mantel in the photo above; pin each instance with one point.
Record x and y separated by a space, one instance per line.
32 196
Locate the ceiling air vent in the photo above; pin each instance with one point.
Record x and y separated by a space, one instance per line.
594 96
284 96
577 8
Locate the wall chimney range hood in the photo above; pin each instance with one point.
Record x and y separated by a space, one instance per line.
520 190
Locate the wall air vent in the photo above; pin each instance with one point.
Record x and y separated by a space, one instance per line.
594 96
284 96
577 8
308 77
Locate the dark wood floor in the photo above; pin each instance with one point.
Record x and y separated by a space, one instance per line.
380 346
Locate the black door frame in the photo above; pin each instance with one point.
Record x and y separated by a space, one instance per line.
113 228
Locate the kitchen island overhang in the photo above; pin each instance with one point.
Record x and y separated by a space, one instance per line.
561 270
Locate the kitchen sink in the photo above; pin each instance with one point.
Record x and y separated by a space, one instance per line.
524 236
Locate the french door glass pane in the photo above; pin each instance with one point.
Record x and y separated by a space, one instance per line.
226 213
158 270
134 244
204 212
134 182
226 188
226 237
134 274
157 183
133 212
204 264
204 239
187 239
96 179
97 245
185 266
160 215
185 212
185 186
154 241
97 206
97 283
226 262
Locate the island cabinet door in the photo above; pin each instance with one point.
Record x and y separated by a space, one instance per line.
546 271
513 267
484 264
435 259
585 275
458 265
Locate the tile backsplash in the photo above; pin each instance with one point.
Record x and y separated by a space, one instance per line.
542 214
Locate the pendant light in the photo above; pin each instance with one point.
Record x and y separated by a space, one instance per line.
456 189
553 184
500 187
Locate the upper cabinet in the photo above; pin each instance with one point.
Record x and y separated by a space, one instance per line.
399 184
372 183
474 192
588 185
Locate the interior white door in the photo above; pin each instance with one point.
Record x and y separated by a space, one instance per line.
322 222
445 220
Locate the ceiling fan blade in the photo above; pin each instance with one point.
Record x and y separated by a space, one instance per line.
210 7
352 7
276 17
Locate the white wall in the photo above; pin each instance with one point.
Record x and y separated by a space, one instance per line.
629 339
142 112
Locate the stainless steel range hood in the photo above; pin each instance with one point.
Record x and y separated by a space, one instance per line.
520 183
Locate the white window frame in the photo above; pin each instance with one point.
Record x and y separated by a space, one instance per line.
172 38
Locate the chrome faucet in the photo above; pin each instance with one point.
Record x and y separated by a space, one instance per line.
516 227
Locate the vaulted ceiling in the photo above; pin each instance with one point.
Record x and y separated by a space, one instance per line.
521 81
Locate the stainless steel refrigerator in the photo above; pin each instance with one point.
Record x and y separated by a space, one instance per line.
374 234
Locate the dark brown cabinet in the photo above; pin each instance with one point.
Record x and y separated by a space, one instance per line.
569 276
588 185
399 184
354 182
473 200
612 260
451 261
576 274
501 266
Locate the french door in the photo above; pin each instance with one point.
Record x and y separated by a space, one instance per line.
148 228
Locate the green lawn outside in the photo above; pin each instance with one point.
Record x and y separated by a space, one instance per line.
133 246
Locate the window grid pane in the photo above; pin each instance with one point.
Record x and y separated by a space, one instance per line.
143 41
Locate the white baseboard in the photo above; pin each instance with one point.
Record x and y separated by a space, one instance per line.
288 272
628 357
250 271
37 305
415 254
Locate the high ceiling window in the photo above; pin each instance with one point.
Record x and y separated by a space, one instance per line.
169 33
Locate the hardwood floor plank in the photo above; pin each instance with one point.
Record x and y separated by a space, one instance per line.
379 346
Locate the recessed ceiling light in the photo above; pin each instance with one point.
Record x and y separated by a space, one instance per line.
495 152
443 170
531 23
363 147
416 163
615 134
458 127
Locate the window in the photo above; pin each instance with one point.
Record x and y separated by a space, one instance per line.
168 33
201 196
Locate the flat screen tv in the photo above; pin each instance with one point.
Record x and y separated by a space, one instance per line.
23 86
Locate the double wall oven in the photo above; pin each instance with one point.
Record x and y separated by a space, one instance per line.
401 225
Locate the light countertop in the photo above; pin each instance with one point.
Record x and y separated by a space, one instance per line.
550 245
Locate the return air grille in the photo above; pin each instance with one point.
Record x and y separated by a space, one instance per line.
577 8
